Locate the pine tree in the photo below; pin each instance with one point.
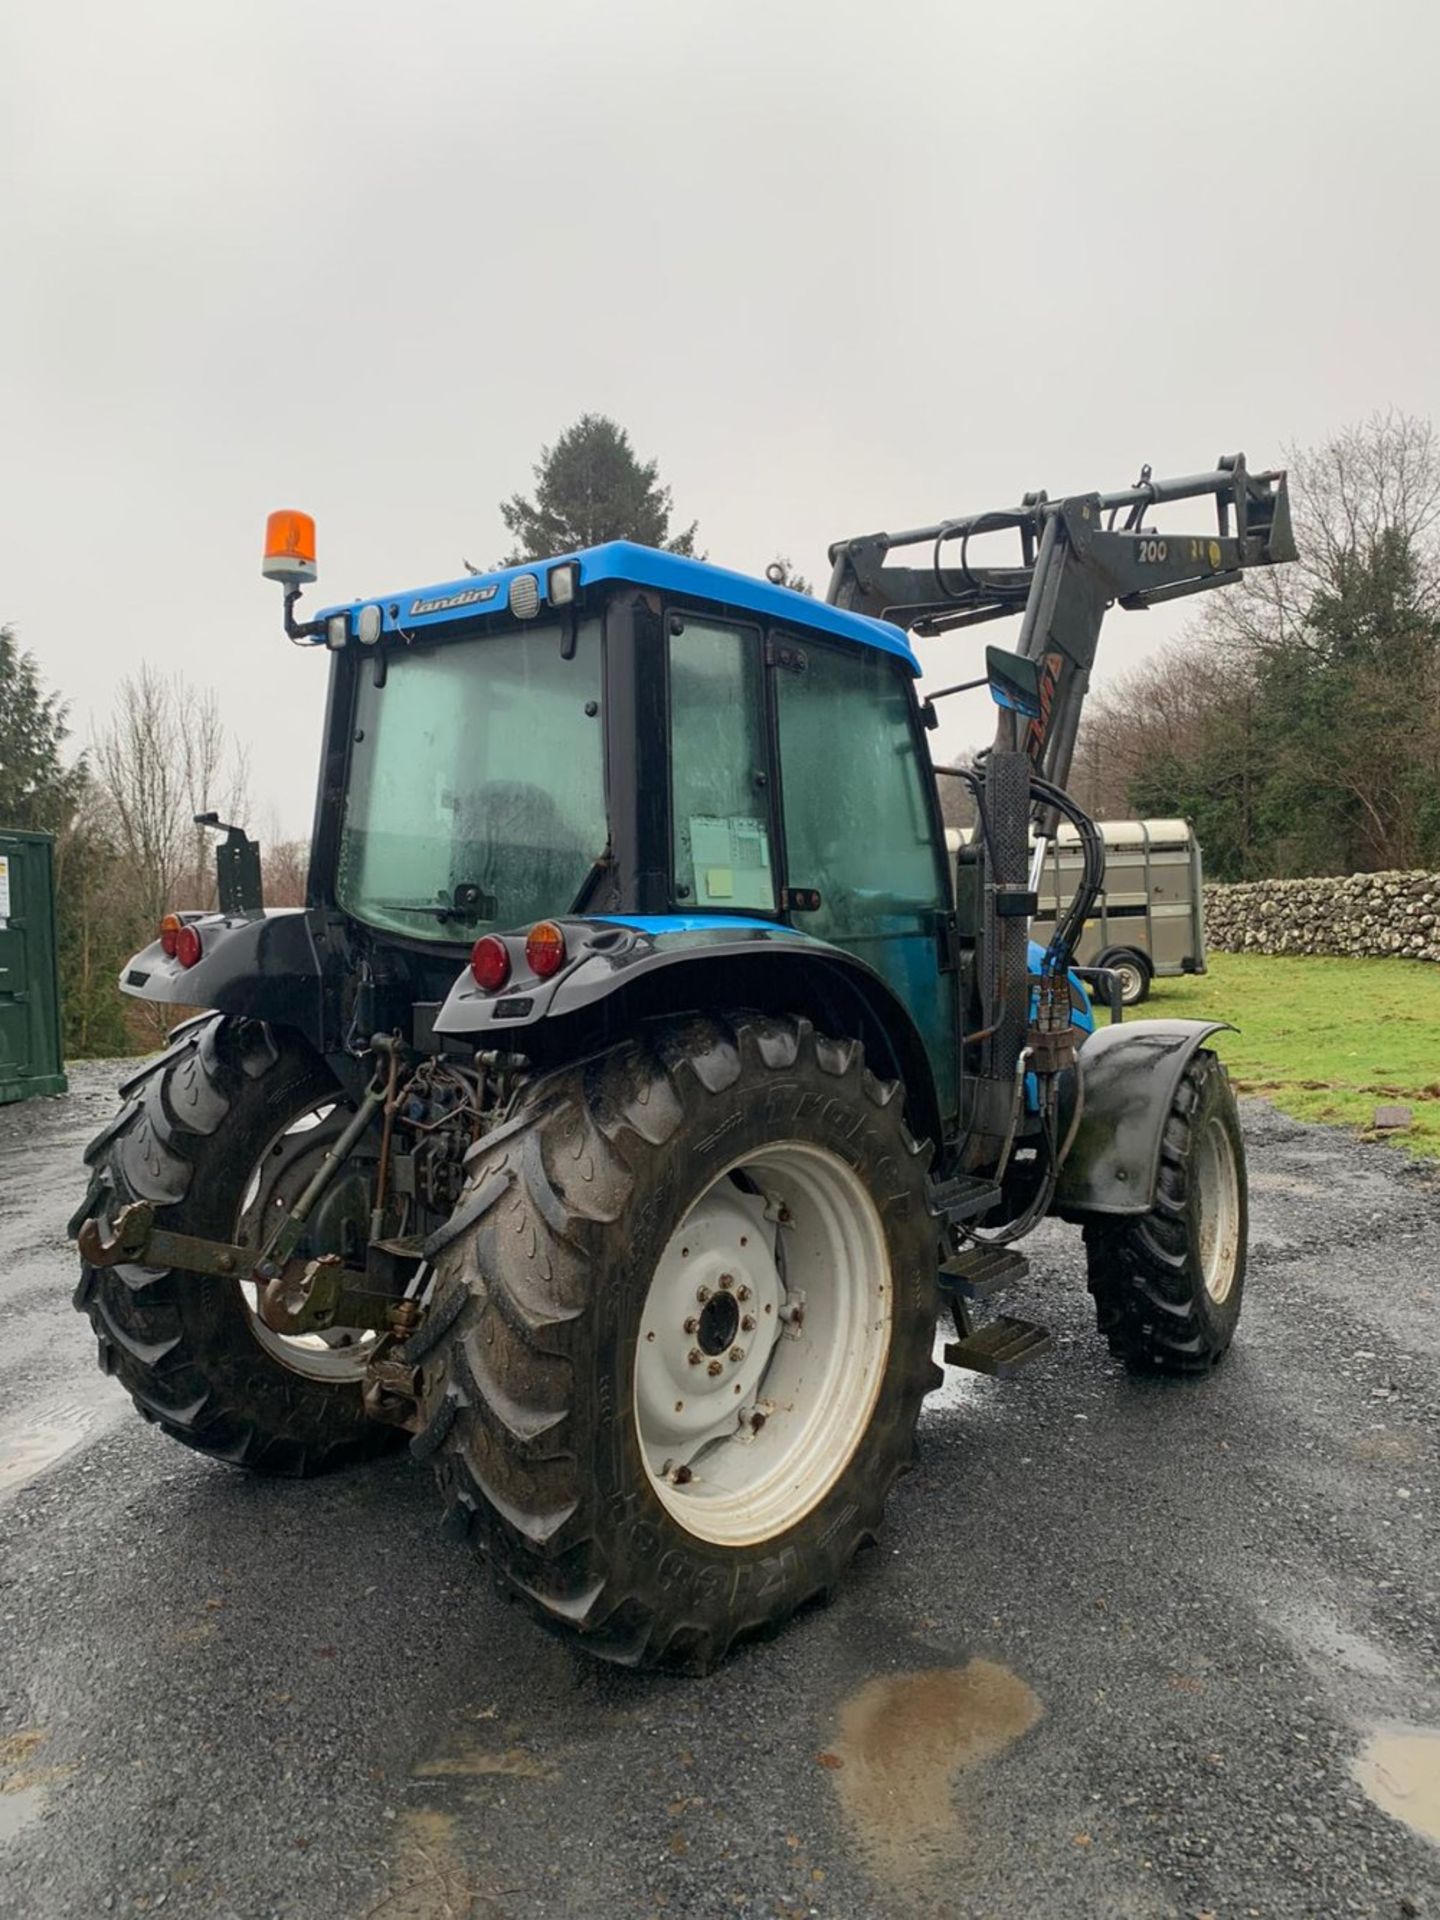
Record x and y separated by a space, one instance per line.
590 487
38 792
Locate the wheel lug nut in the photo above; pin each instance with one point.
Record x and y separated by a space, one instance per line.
737 1353
696 1356
691 1324
742 1293
713 1368
747 1325
702 1294
727 1280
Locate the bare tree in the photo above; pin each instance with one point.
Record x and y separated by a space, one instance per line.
1299 718
165 756
284 869
1372 481
1158 711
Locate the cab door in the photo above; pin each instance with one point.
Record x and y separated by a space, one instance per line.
862 829
722 815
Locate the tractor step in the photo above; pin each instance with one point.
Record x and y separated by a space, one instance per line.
964 1198
1001 1347
979 1273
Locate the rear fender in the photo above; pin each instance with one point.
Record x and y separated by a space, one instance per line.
1130 1075
622 972
269 967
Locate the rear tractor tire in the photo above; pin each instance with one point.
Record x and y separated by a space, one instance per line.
226 1125
1168 1284
675 1361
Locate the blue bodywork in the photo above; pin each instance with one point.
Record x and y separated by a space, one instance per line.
622 562
662 923
904 958
664 927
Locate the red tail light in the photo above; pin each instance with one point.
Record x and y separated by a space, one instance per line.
169 934
187 945
545 949
490 963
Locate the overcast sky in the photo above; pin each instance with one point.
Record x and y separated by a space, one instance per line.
836 266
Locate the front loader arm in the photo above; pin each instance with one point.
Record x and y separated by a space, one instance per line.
1079 556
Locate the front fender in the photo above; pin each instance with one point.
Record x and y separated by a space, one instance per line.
1129 1076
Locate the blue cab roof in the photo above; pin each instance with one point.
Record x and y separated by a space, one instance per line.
478 595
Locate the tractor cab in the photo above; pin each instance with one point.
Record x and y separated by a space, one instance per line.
635 752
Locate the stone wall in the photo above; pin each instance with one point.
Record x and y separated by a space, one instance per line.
1366 914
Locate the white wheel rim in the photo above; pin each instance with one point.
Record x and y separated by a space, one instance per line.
1131 982
336 1357
1219 1184
744 1428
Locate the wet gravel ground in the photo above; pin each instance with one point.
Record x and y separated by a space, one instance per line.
1154 1624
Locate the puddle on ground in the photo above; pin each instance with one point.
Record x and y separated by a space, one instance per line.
41 1432
959 1388
1400 1446
475 1763
1321 1638
1399 1769
18 1807
22 1788
428 1880
1288 1183
904 1741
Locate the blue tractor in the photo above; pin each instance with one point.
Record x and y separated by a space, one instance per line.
643 1078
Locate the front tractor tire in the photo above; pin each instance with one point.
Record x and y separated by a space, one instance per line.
1168 1284
676 1358
225 1125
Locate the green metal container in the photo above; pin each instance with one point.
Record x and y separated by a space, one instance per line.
30 1056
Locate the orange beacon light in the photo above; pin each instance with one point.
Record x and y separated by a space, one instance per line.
289 549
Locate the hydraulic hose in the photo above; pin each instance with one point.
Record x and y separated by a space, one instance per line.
1071 924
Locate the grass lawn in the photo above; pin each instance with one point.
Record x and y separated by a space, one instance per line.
1323 1039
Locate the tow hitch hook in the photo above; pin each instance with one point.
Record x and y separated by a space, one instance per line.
136 1240
303 1296
296 1295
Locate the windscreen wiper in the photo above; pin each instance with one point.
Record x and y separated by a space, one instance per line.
601 864
470 903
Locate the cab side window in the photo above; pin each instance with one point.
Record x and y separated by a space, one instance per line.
857 824
720 806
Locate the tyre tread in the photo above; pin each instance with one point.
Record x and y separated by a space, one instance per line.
498 1407
173 1108
1148 1305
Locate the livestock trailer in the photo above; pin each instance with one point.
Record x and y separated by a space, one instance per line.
1149 920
